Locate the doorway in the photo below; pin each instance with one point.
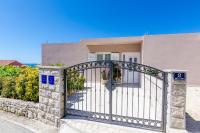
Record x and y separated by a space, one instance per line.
131 76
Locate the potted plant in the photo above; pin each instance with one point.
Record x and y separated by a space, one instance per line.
104 76
116 74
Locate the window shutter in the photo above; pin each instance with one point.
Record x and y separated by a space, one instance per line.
91 57
114 56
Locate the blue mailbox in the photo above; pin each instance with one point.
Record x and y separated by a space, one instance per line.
44 79
51 80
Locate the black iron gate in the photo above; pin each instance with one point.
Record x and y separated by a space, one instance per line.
118 92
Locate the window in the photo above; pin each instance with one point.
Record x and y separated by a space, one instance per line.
107 56
99 57
123 57
135 60
91 56
115 56
130 60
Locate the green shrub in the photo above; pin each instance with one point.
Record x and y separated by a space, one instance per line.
1 84
27 84
8 87
19 82
21 86
75 81
9 71
32 86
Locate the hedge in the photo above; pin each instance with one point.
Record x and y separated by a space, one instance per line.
19 83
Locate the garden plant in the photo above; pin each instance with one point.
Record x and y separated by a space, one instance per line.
75 81
19 83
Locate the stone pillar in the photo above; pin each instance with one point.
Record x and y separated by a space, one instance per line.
51 95
176 100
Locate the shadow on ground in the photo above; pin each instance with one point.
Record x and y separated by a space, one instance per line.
192 126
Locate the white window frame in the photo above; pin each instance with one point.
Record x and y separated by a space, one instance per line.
113 56
104 53
92 57
99 54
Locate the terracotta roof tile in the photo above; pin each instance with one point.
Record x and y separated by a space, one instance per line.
10 62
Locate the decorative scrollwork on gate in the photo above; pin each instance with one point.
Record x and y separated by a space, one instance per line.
120 64
140 68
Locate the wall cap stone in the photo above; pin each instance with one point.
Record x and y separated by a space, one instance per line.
51 67
18 100
174 70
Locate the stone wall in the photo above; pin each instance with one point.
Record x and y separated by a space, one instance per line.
51 97
50 108
19 107
176 101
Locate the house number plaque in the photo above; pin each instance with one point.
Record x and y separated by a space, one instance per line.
179 76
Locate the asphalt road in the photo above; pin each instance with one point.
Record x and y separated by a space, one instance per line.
8 127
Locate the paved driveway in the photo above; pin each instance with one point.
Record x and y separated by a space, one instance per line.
128 100
8 127
11 123
192 102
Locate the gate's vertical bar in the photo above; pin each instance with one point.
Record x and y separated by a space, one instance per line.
65 90
91 91
83 87
133 92
95 97
104 108
164 99
150 100
77 89
127 92
122 89
156 100
110 89
86 88
100 92
116 88
144 96
138 100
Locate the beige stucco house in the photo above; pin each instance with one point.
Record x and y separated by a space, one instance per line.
170 51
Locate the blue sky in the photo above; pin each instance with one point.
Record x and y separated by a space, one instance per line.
26 24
